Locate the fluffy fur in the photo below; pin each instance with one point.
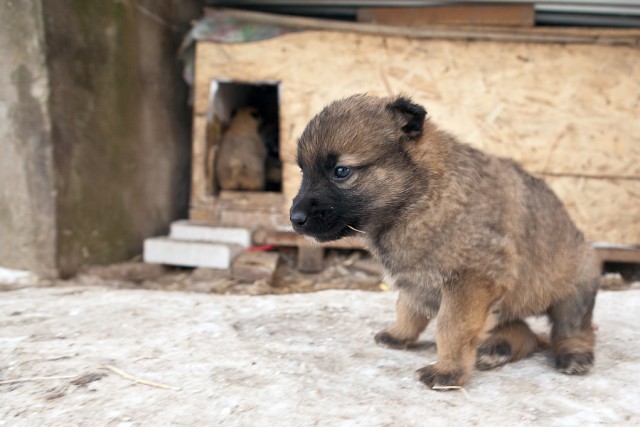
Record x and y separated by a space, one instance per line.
240 161
464 235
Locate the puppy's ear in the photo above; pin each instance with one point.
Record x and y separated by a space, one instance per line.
411 116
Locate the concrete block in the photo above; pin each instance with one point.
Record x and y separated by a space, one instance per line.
186 253
187 230
11 280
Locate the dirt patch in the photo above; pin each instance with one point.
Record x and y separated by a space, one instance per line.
343 270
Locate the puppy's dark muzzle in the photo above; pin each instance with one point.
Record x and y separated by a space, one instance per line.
300 212
298 218
314 214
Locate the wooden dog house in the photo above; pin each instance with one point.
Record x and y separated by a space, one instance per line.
565 103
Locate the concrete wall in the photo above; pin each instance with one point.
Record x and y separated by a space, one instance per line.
107 142
27 209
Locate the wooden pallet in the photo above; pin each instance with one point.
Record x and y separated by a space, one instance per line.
311 255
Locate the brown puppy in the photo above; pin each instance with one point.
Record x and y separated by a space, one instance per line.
464 235
240 161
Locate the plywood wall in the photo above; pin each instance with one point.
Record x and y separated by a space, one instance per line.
569 113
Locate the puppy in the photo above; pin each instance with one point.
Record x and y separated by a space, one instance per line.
463 235
240 161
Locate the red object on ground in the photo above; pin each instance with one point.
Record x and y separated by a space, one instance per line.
260 248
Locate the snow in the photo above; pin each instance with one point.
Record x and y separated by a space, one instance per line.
298 359
10 276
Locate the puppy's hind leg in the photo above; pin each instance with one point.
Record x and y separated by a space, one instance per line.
572 336
506 343
408 327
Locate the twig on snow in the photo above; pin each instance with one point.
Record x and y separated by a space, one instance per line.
139 380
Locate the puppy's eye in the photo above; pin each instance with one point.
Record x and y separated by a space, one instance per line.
341 172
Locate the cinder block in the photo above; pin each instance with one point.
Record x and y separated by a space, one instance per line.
186 253
187 230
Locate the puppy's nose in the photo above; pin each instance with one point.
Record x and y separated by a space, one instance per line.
298 217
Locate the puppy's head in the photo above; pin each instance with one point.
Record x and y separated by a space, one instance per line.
356 166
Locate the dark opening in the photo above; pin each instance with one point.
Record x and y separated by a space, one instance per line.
630 272
229 102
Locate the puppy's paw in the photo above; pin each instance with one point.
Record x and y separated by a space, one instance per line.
385 339
574 363
433 376
493 354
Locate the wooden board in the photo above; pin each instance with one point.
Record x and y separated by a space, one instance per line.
605 209
310 258
557 35
631 255
251 266
478 14
248 209
290 238
199 168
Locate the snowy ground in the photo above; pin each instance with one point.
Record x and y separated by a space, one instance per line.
290 360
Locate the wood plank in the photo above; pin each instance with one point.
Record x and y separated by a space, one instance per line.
277 238
310 259
250 200
220 215
292 239
241 209
251 266
607 210
609 36
249 219
522 15
199 187
618 255
203 215
289 239
251 209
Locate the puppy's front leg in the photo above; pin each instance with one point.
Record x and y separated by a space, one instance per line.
409 325
465 314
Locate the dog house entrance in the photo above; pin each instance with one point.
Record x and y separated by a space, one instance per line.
236 170
243 134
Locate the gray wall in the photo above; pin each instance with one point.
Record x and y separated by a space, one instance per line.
27 208
106 161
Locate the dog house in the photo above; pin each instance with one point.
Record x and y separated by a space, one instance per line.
562 102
